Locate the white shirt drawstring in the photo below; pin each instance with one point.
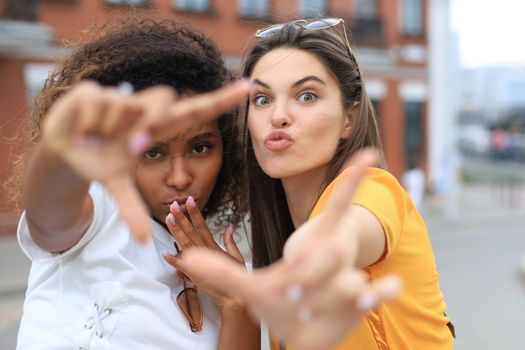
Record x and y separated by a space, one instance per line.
96 320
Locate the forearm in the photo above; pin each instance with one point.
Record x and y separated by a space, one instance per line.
238 330
58 208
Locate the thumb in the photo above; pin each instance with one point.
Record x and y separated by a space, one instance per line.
231 246
131 207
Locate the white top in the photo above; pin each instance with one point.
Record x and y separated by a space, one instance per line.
108 292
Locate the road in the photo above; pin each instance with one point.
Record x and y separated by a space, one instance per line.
477 254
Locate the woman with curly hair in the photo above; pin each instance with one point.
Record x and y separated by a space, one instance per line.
111 157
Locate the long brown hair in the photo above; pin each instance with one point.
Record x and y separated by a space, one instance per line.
147 49
270 217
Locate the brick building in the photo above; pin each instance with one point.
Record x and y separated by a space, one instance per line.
390 36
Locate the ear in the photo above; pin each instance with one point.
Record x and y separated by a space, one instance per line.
350 114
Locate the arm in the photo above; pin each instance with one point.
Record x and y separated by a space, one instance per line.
312 298
58 207
238 330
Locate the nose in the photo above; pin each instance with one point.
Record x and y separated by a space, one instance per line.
281 115
180 175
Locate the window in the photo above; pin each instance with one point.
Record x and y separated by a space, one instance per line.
254 8
35 75
126 2
366 9
192 5
23 10
312 8
413 130
412 17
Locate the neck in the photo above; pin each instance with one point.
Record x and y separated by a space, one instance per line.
302 192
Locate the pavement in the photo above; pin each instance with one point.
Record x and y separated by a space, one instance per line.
478 242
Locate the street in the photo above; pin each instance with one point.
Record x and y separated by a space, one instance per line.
477 253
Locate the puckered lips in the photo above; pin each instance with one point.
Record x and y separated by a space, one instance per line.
278 140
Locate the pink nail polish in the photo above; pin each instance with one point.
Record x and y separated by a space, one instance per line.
175 207
171 219
139 141
191 202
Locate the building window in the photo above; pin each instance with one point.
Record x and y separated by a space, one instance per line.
412 17
35 75
312 8
366 9
126 2
413 130
192 5
254 8
22 10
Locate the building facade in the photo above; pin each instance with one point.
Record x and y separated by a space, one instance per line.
390 37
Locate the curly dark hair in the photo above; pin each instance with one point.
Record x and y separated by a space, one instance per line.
145 49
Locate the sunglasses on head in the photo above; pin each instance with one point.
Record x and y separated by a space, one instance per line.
318 24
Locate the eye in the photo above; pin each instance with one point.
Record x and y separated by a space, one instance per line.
152 154
307 97
261 100
200 149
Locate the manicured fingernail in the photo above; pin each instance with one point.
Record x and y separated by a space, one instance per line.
305 314
139 141
175 207
295 292
125 88
367 301
171 219
229 229
88 141
191 202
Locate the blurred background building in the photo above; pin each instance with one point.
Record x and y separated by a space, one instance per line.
391 37
445 122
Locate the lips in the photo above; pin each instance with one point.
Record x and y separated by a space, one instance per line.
278 140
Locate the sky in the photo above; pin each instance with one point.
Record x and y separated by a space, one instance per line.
490 32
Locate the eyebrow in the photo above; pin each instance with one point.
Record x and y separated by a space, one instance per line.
297 83
178 138
205 135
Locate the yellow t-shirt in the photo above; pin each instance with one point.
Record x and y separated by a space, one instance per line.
416 320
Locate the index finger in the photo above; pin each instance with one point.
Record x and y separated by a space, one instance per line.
203 107
130 205
338 201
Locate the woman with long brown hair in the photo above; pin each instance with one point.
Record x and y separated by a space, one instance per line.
307 113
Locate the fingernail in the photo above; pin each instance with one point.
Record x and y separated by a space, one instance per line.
244 82
229 229
88 141
139 141
191 202
175 207
367 301
305 314
294 292
171 219
125 88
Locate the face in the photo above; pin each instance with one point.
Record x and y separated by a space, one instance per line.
296 116
181 166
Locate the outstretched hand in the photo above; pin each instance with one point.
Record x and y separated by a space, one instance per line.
313 297
100 132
